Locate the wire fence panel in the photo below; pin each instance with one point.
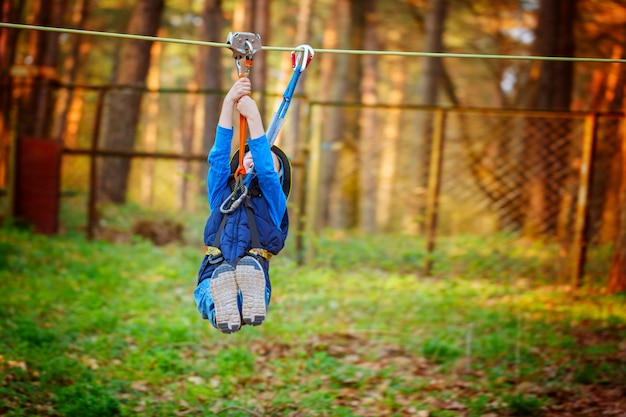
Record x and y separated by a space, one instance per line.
514 173
491 162
511 172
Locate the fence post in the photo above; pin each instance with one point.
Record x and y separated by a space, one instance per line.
579 244
434 186
93 166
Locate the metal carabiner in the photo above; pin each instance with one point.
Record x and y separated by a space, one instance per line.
302 57
234 202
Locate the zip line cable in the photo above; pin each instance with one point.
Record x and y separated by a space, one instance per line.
316 50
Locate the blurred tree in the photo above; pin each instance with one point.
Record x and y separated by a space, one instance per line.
69 101
436 12
368 121
292 140
428 90
262 26
10 11
150 125
254 16
123 105
602 32
334 71
209 75
554 37
35 117
617 272
293 134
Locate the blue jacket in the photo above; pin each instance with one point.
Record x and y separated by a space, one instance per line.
269 204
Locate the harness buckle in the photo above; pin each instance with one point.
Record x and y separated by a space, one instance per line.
214 254
263 253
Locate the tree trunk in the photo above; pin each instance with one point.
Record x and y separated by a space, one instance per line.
71 66
186 146
37 103
346 213
555 37
607 172
209 75
243 19
429 91
293 134
334 71
617 273
258 76
124 105
150 131
254 16
368 144
387 196
9 12
294 131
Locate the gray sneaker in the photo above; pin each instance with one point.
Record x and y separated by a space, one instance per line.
224 293
251 281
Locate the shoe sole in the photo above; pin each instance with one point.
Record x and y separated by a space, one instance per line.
224 293
251 281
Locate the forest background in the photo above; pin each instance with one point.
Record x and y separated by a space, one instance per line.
446 204
361 129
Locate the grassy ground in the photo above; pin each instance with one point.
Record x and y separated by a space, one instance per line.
95 329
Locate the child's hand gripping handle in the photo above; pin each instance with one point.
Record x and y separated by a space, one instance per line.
243 44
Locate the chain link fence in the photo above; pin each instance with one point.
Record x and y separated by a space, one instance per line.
501 171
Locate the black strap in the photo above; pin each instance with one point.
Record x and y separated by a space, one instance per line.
218 235
254 232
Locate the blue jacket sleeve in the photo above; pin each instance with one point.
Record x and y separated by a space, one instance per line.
219 166
268 178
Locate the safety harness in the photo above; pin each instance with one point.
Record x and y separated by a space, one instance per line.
246 44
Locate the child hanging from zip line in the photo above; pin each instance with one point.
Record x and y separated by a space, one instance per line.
234 285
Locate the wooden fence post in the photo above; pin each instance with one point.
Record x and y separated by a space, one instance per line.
434 186
579 243
93 166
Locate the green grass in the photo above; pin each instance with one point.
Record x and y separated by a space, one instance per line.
96 329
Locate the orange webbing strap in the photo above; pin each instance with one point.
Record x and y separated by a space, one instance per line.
243 126
241 170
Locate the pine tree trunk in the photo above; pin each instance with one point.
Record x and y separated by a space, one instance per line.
67 100
429 92
617 273
607 172
334 71
368 161
294 131
555 37
9 12
37 104
261 25
387 196
209 75
124 104
150 131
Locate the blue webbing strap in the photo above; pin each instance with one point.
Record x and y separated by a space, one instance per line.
299 64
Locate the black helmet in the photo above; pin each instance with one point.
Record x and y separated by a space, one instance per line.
283 159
